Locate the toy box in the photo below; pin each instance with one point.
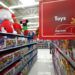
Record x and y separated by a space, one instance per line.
25 71
24 61
10 42
6 42
24 51
18 66
17 54
21 41
10 72
5 60
2 43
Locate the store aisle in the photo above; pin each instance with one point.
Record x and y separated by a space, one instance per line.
43 65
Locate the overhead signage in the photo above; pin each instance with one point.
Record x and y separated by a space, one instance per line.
57 19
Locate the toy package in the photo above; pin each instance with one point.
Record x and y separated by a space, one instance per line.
10 72
10 42
5 60
18 66
24 51
25 71
17 54
2 43
21 41
24 61
7 42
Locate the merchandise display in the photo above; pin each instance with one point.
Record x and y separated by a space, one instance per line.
9 24
25 70
21 41
10 42
62 61
15 55
5 60
7 42
18 66
10 72
24 51
2 43
43 44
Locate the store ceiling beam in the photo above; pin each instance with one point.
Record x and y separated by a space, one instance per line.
23 6
31 17
2 4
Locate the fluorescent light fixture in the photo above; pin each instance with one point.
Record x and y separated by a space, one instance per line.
31 17
33 26
6 7
35 23
28 2
32 29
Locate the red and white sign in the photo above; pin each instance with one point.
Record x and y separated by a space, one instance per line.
57 19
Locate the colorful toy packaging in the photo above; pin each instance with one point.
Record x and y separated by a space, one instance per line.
5 60
18 66
8 24
17 54
21 41
10 72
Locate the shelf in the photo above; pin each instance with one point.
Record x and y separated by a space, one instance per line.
12 49
14 61
25 65
69 60
30 52
13 35
17 59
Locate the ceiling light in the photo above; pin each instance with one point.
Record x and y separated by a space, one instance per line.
27 2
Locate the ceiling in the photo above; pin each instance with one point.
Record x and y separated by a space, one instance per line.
27 9
11 2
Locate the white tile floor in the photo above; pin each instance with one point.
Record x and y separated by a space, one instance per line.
43 65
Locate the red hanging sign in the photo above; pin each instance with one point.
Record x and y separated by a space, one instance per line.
57 19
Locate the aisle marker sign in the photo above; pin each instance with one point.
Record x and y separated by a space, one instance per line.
57 19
